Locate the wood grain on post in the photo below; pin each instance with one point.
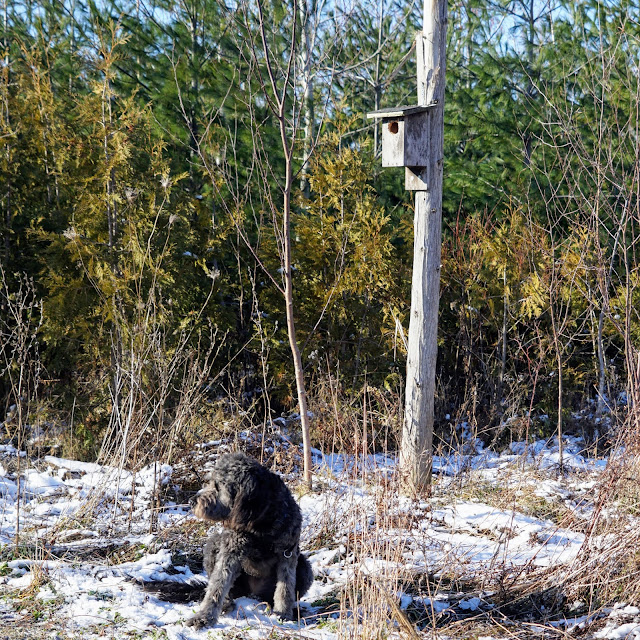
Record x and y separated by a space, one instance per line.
417 433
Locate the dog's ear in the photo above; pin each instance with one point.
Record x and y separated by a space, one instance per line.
252 505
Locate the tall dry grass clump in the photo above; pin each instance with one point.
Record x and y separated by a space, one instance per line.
607 568
379 541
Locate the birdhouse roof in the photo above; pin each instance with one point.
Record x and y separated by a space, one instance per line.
400 112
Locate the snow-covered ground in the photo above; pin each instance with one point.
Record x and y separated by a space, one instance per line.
88 534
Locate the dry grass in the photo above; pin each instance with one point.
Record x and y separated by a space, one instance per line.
374 543
386 594
608 567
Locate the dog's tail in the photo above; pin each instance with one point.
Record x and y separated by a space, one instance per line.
175 590
304 575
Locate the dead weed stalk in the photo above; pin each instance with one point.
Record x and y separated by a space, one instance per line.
607 569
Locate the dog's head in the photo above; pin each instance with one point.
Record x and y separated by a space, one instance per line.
238 492
214 501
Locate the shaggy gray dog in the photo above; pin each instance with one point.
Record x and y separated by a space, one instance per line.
257 552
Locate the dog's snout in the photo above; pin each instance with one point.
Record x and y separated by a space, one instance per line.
194 499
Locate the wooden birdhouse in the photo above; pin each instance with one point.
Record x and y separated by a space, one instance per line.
405 142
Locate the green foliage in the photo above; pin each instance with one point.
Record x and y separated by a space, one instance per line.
141 194
344 267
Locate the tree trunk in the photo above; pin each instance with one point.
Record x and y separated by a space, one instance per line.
73 43
604 307
557 346
503 356
417 433
601 366
376 79
194 99
560 408
300 384
291 326
307 94
6 79
279 106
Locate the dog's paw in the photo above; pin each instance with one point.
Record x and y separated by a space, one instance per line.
200 620
285 616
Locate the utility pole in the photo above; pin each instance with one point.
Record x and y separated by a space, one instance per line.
413 137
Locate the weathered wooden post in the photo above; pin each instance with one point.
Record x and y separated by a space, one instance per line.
414 139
